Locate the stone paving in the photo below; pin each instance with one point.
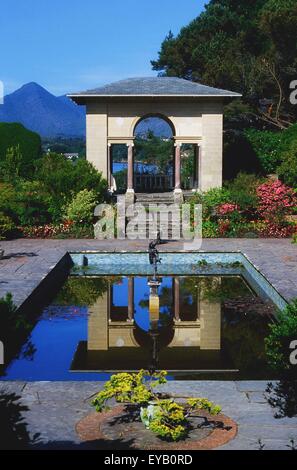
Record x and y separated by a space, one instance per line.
53 408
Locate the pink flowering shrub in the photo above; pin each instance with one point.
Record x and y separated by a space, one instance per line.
276 200
227 208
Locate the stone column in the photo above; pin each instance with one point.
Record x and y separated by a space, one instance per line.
178 194
196 167
176 299
130 185
131 299
177 167
130 177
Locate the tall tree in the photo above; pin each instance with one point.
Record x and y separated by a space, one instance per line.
247 46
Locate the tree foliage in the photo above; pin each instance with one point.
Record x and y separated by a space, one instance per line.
249 47
154 150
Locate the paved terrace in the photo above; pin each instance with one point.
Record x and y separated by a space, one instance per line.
52 409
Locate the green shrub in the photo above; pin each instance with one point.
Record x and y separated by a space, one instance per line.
267 146
7 226
243 191
28 143
287 170
62 178
81 208
276 151
210 200
8 196
85 176
282 333
10 167
210 229
32 203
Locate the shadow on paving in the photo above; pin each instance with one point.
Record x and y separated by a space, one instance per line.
15 436
13 427
282 397
19 255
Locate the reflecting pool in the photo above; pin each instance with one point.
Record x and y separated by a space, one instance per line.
194 326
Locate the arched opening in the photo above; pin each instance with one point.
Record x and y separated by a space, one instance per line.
154 154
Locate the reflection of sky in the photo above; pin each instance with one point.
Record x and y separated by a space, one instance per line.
55 339
60 329
141 293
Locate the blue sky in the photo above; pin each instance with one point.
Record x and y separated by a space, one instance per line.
71 45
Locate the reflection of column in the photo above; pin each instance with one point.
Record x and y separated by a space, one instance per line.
176 302
98 324
131 299
178 166
210 320
130 185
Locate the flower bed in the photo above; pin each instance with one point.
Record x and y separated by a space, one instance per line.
249 208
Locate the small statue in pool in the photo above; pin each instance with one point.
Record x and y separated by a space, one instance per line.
154 254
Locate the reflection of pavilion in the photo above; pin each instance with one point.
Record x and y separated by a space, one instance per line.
192 341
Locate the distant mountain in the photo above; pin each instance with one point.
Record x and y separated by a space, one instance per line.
57 116
44 113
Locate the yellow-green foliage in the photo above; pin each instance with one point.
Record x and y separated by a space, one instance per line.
166 419
81 208
204 404
128 388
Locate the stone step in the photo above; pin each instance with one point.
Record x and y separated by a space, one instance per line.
160 202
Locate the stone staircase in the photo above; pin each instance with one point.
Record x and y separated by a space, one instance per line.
156 221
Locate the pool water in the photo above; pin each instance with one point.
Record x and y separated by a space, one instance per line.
204 327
